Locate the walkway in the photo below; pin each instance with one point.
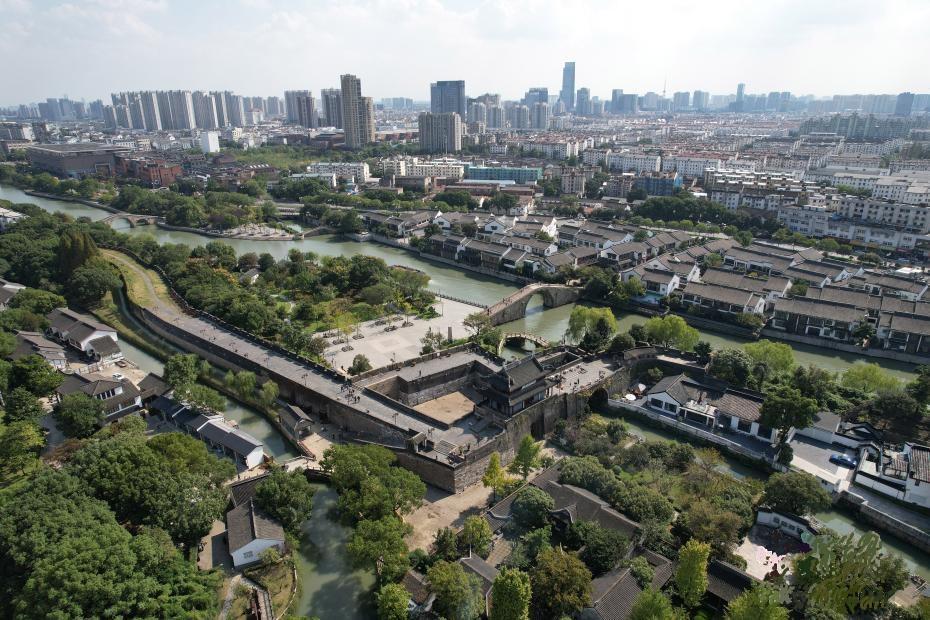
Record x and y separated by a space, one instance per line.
513 306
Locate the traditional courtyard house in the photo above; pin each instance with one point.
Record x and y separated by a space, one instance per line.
811 317
34 343
900 472
723 299
119 396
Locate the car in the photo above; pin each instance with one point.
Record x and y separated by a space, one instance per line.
117 376
844 460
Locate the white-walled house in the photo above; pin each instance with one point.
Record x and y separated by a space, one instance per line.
899 472
250 532
81 332
792 525
710 405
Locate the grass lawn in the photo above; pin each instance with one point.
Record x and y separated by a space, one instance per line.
137 279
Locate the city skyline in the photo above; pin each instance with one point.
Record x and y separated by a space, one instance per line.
278 47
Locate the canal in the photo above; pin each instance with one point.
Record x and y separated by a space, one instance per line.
549 323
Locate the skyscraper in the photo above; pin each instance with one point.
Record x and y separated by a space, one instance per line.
440 132
448 96
495 117
357 113
182 109
740 91
331 104
904 104
681 100
568 86
519 117
477 112
204 110
583 102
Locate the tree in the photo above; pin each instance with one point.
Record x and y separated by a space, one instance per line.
87 284
201 397
458 594
652 605
731 365
35 374
846 574
359 365
446 545
78 415
495 478
601 549
287 497
510 595
75 247
743 237
919 388
621 343
777 357
475 536
182 453
758 603
785 407
869 377
20 443
477 323
713 260
703 350
561 584
22 406
691 575
814 382
892 406
796 493
181 369
591 327
527 457
671 331
392 602
268 393
531 507
379 545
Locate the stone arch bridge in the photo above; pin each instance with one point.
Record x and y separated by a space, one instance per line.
513 306
134 220
539 341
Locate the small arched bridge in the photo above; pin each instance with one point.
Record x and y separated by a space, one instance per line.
539 341
134 220
513 306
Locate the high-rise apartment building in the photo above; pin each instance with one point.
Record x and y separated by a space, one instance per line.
181 104
519 117
681 100
539 94
904 104
273 106
357 113
700 100
447 96
496 119
583 102
305 107
290 105
540 115
477 112
568 86
204 110
331 105
440 132
151 117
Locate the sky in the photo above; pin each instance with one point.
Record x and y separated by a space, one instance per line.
90 48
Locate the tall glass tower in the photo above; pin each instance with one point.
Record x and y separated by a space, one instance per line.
568 86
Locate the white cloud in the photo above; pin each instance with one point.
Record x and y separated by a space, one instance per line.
91 47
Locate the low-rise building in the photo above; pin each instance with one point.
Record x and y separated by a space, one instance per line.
75 160
94 339
250 532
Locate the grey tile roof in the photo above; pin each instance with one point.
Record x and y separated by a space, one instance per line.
817 309
726 582
246 523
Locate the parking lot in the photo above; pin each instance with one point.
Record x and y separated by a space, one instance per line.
814 457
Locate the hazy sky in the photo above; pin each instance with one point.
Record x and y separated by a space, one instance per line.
89 48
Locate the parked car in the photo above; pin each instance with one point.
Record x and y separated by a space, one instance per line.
844 460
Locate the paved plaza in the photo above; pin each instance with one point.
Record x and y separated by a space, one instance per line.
386 343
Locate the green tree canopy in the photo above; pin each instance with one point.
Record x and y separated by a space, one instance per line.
561 584
511 595
761 602
869 377
796 493
78 415
35 374
392 602
652 605
784 407
22 406
691 575
475 536
181 369
531 507
527 457
776 356
287 497
378 545
458 593
671 331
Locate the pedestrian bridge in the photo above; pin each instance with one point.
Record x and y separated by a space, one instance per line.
513 306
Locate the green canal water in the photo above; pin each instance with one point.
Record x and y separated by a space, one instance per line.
330 588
